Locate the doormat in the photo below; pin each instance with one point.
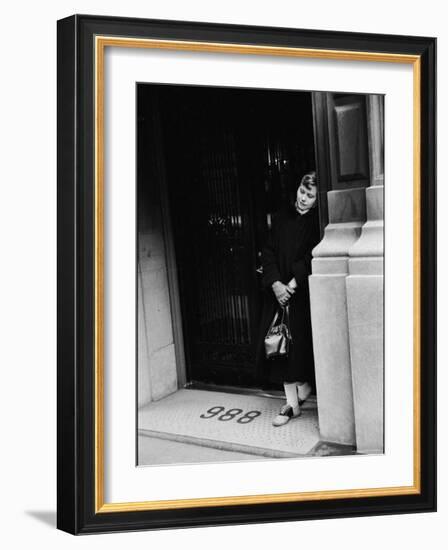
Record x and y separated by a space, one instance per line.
231 422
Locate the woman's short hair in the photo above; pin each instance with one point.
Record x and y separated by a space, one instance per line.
309 179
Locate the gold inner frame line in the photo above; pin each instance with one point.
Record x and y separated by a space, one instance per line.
101 42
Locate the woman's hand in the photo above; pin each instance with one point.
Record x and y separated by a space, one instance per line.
282 292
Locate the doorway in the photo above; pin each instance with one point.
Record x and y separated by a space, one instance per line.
230 159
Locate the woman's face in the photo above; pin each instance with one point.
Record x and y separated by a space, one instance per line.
306 197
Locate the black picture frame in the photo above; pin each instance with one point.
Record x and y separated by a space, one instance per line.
77 510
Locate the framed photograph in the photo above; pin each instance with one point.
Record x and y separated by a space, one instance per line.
246 274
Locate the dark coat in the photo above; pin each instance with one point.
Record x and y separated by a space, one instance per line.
287 254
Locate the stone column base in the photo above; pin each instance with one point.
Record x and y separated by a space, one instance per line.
332 356
365 321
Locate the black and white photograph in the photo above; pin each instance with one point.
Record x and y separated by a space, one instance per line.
259 274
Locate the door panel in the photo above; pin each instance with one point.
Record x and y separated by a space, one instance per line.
341 143
351 139
341 133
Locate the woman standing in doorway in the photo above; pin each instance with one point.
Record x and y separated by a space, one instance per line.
286 261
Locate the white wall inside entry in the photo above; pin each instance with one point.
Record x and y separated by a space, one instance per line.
157 374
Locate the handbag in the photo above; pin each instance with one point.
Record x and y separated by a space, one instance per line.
278 336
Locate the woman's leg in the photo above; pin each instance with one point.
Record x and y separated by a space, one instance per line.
292 407
304 390
292 397
300 357
296 384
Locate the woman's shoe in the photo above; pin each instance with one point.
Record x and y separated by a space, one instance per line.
285 415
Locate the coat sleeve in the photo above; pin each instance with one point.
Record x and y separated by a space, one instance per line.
301 267
271 271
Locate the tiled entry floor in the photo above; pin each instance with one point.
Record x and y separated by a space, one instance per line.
231 422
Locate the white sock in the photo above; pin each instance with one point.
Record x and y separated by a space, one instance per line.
303 390
291 396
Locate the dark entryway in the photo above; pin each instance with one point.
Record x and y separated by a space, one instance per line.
229 159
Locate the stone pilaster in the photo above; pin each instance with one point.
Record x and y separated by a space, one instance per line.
365 301
329 315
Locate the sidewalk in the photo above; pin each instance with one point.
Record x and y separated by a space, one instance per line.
207 426
156 451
